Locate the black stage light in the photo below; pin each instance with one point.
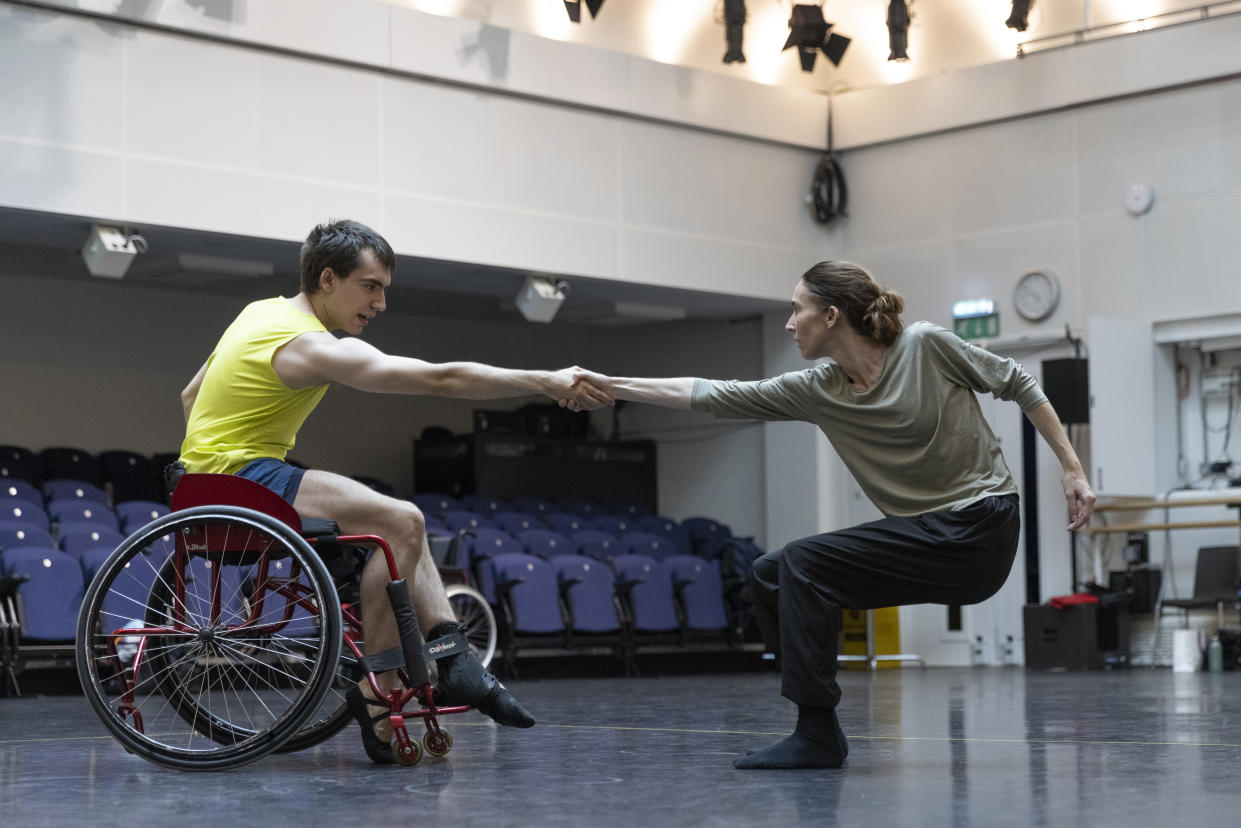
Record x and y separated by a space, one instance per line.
1020 18
734 25
898 30
574 8
834 48
808 31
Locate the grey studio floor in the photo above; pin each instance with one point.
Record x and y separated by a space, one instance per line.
986 746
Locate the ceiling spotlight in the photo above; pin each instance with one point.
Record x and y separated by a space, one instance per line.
808 31
109 251
541 297
898 30
734 25
1020 18
574 8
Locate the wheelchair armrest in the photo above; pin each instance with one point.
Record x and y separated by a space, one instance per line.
316 527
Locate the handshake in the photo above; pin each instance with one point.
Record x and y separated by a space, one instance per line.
580 390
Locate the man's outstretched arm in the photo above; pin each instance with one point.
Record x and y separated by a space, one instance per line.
315 358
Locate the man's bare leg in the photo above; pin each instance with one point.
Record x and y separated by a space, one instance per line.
359 510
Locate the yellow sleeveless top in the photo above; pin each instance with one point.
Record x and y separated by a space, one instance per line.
243 411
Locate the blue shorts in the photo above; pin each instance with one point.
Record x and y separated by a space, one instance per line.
276 475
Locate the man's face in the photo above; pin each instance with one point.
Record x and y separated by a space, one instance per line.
356 299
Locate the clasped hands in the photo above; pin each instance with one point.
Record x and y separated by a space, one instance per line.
580 390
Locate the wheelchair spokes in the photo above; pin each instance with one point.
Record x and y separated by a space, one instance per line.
226 655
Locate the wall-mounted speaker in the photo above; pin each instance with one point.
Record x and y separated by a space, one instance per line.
1067 386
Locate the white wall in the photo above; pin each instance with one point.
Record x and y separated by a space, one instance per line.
131 125
657 59
965 214
570 160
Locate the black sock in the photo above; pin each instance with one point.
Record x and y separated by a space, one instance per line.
377 749
820 724
816 742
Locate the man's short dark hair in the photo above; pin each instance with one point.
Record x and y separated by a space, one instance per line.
339 245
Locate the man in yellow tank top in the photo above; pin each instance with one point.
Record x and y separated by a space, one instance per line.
270 369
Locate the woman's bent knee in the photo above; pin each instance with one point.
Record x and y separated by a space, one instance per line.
795 556
766 568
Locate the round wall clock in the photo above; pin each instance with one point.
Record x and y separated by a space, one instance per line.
1036 295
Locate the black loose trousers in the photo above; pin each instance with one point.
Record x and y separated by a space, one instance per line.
948 557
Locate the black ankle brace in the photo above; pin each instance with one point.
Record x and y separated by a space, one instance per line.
442 629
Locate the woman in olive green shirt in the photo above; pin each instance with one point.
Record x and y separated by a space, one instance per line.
898 404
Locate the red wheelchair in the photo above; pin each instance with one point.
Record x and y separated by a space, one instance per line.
227 630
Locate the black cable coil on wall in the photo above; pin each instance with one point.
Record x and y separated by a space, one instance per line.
828 193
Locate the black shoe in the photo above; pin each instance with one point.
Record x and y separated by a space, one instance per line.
465 681
377 749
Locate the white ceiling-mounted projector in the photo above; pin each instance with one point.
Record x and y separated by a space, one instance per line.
541 297
108 252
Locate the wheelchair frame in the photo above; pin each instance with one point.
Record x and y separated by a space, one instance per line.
225 685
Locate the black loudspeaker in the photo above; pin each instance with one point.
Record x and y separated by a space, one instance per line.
1067 388
1083 637
1141 585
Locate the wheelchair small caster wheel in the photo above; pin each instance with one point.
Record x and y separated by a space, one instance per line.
437 742
406 752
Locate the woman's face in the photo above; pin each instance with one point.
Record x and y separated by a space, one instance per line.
808 323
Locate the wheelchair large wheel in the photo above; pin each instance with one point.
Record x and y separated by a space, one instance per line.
235 635
472 610
332 714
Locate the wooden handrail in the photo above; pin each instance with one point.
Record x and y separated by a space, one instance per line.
1146 504
1152 527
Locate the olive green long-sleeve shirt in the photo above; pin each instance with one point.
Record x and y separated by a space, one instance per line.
915 441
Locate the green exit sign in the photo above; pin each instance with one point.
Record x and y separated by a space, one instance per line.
977 327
